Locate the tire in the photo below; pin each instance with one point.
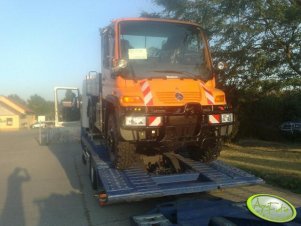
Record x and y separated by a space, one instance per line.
207 152
122 154
84 161
92 175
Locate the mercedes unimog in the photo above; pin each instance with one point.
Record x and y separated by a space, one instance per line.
156 92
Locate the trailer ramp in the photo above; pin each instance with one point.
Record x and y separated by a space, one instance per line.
135 183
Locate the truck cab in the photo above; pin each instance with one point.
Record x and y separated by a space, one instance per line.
157 91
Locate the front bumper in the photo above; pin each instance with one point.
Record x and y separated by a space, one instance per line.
191 123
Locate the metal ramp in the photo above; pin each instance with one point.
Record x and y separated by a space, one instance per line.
136 184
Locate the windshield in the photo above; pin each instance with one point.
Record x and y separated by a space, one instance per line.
163 49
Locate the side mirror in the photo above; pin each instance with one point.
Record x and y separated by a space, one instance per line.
118 66
221 66
219 69
92 74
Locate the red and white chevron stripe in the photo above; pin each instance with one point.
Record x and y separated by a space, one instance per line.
147 94
214 119
154 121
208 94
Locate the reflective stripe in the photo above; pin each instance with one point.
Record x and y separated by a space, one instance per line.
144 86
148 98
155 121
208 94
214 119
147 94
209 97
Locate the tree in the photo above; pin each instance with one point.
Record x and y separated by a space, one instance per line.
260 39
41 107
17 99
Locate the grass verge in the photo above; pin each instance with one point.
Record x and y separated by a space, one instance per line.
278 164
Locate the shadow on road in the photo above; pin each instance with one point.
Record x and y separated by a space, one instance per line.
60 209
79 206
68 154
13 212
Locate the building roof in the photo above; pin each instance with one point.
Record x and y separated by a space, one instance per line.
18 108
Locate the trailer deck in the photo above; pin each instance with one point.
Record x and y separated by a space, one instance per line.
135 183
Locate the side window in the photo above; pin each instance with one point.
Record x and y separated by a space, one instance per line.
105 49
9 121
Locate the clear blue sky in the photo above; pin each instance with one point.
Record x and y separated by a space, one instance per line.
54 42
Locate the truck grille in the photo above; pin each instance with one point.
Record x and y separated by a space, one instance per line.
170 98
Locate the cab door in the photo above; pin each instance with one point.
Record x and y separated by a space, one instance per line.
107 51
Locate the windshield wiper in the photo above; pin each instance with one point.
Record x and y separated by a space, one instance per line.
187 74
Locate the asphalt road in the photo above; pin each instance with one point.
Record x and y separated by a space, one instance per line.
49 185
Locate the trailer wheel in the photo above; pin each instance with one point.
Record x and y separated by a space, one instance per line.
206 153
92 175
122 154
84 161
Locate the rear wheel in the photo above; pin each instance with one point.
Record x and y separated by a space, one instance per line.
122 154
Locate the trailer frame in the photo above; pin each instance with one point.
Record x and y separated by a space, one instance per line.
135 184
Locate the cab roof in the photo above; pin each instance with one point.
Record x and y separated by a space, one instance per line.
154 19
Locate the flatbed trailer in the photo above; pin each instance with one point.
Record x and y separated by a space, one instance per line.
135 183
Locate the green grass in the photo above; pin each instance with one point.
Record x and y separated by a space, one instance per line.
278 164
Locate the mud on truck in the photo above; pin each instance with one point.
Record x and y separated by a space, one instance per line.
156 92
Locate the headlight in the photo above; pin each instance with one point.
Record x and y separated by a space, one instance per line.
227 118
135 121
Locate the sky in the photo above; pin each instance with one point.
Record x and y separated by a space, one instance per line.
51 43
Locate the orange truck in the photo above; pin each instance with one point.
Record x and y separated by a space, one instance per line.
156 92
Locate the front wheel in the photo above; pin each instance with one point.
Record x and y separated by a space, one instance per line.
207 152
122 154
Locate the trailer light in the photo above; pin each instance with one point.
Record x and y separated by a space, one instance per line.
131 99
227 117
103 199
219 98
135 121
153 134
